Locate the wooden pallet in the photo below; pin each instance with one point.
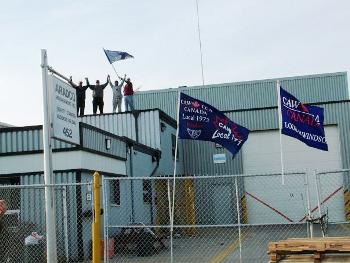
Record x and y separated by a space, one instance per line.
318 247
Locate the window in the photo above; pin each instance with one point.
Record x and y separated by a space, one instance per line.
115 192
147 192
173 147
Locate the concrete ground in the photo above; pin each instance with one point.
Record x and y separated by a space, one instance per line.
221 245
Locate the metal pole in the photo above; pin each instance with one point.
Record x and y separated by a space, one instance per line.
50 211
96 247
318 193
58 74
200 42
174 176
309 205
239 221
170 215
318 196
105 218
278 86
65 222
115 71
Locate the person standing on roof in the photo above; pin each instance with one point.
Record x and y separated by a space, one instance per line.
97 94
81 95
117 94
128 95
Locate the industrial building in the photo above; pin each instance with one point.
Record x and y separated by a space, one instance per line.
142 144
21 162
253 104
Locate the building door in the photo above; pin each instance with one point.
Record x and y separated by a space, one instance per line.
223 205
268 201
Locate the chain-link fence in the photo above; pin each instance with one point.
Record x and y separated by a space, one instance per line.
23 227
220 218
226 218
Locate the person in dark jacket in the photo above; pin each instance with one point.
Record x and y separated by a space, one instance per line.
128 95
97 94
81 95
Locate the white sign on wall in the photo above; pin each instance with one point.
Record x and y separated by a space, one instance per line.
64 112
219 158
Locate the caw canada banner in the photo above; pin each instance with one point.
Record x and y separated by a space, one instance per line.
201 121
303 122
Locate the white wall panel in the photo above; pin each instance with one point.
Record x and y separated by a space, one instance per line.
261 154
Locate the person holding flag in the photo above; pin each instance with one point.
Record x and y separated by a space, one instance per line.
117 93
112 57
97 94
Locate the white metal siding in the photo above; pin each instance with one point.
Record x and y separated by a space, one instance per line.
261 154
61 161
124 125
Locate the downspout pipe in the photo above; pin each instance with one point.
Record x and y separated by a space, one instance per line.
131 151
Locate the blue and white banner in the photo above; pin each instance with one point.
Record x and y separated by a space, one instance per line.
114 56
201 121
303 122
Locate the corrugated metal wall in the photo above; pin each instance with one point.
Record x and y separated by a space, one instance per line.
25 139
149 128
118 124
146 130
251 94
94 139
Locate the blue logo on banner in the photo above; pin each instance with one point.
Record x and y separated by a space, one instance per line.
201 121
303 122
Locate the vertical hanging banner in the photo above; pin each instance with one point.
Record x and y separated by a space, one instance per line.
64 111
201 121
303 122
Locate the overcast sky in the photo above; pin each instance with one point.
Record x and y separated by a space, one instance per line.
241 40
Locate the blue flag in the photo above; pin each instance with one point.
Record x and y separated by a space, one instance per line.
114 56
201 121
303 122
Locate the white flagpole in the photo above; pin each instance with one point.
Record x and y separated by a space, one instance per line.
104 51
278 85
51 247
174 180
115 70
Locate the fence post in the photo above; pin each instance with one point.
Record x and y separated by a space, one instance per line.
105 220
317 177
309 215
171 224
239 220
96 246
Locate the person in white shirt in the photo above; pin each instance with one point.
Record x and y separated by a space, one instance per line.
117 94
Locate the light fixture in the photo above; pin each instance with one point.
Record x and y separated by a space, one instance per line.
108 143
162 126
